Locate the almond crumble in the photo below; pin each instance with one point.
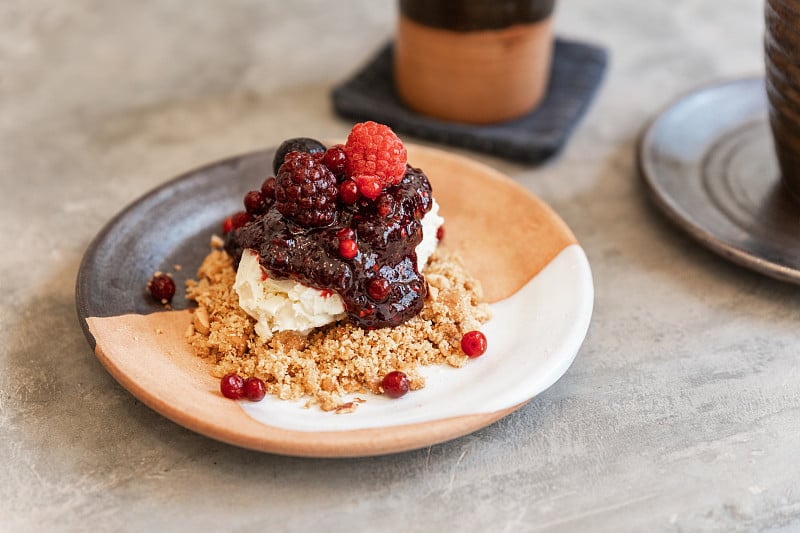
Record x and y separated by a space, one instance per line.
340 358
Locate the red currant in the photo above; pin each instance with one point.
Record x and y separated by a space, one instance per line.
161 287
348 248
474 343
254 202
268 188
345 234
335 159
254 389
395 384
232 386
379 289
348 192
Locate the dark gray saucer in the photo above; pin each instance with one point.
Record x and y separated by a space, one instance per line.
170 225
710 165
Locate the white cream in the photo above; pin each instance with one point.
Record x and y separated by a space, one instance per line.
431 223
281 304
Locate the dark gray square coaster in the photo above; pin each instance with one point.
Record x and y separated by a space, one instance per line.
577 72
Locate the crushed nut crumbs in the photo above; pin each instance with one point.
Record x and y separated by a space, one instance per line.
340 358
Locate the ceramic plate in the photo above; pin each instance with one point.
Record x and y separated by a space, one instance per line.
535 276
709 163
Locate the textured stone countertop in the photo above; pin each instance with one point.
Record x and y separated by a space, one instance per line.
680 413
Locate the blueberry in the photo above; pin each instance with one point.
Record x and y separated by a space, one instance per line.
297 144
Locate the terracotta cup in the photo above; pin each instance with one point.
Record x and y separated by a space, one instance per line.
473 61
782 58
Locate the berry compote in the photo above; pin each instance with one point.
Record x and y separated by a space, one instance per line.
385 239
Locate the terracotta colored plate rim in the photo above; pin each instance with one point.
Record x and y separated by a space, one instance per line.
534 274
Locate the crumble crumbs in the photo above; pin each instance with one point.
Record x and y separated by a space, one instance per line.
339 358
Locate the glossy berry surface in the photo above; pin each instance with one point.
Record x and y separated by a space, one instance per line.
384 204
254 203
161 287
236 221
348 192
232 386
348 248
395 384
373 149
474 343
254 389
379 289
335 160
346 234
305 191
369 186
268 188
296 144
373 232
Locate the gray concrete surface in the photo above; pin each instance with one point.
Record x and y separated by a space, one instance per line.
681 412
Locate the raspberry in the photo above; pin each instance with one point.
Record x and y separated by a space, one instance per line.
305 190
369 186
373 149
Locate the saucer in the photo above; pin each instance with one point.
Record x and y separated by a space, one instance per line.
708 161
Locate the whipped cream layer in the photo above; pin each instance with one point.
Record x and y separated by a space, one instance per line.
283 304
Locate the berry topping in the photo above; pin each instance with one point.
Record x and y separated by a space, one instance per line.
367 237
385 205
254 389
236 221
379 289
373 149
440 233
473 343
335 160
254 203
348 248
395 384
268 188
227 225
298 144
305 191
161 287
345 234
369 186
232 386
348 192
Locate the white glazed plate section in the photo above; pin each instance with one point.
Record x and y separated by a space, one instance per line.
534 336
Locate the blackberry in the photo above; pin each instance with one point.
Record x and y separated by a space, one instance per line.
305 190
297 144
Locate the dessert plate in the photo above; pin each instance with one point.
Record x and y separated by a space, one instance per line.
534 274
710 166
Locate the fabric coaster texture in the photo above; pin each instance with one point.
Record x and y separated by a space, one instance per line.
576 73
